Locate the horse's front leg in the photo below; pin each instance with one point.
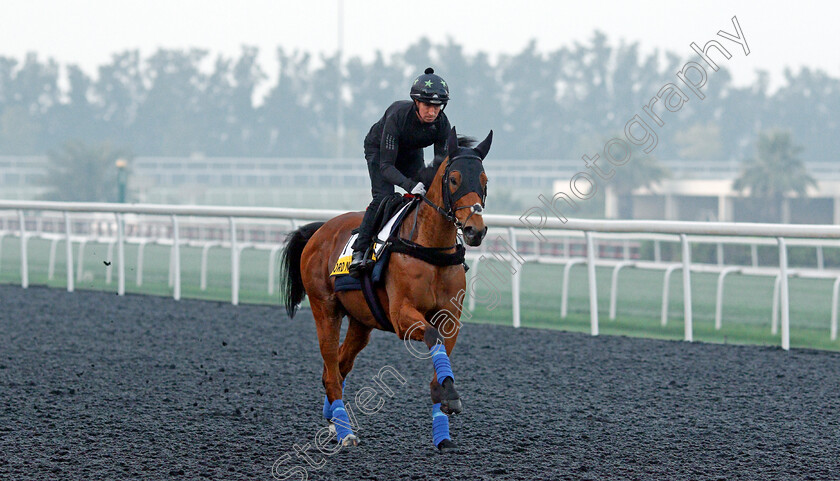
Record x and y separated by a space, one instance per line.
413 326
443 383
445 399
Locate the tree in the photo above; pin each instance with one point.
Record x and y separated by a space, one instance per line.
169 120
640 171
28 93
77 117
18 131
541 103
288 125
372 87
807 105
83 173
120 91
247 77
775 171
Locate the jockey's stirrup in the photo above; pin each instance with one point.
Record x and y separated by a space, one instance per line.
358 263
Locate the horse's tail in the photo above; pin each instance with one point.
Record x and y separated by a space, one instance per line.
291 284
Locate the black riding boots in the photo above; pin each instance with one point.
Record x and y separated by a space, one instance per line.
358 264
361 247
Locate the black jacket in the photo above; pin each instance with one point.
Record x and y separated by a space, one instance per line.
399 135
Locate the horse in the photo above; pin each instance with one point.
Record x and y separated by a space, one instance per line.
420 298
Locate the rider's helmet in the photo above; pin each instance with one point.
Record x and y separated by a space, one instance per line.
430 88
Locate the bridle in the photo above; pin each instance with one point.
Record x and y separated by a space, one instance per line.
448 209
449 198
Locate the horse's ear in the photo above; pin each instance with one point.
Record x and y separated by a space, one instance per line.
452 143
484 146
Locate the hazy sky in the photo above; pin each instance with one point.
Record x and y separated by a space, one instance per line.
87 32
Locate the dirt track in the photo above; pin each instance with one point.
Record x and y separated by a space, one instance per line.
93 386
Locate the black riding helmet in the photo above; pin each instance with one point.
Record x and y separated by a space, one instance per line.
430 88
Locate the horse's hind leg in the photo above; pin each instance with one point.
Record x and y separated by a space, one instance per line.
355 340
328 324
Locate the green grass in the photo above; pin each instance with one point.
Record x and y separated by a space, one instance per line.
746 311
747 305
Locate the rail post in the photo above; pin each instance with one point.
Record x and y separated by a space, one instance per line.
774 321
515 279
51 267
272 263
666 287
593 286
120 255
234 264
719 297
614 286
24 261
564 297
783 273
176 253
69 252
686 258
834 293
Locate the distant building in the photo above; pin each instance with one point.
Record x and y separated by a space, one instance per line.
286 182
702 191
697 190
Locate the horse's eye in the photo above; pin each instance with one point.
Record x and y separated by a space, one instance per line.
453 181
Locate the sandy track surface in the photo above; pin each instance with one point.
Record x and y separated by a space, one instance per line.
94 386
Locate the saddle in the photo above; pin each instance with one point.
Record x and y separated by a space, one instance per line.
393 210
389 217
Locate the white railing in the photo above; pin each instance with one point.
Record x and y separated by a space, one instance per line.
514 227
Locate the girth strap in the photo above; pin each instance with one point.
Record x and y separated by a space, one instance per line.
431 255
369 291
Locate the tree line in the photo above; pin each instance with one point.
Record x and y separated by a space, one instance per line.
542 105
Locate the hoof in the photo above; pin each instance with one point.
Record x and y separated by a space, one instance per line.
332 428
451 406
447 446
350 440
450 400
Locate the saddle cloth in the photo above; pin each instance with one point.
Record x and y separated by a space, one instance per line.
341 271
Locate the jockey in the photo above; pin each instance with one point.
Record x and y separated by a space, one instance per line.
394 150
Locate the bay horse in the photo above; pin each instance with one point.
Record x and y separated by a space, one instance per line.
414 293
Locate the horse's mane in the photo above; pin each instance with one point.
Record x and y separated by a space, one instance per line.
427 174
466 141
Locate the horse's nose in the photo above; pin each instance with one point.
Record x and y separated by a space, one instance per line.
473 236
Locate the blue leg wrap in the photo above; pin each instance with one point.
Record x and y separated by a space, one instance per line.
341 420
327 410
440 425
443 368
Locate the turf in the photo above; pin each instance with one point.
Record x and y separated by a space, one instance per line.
746 311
